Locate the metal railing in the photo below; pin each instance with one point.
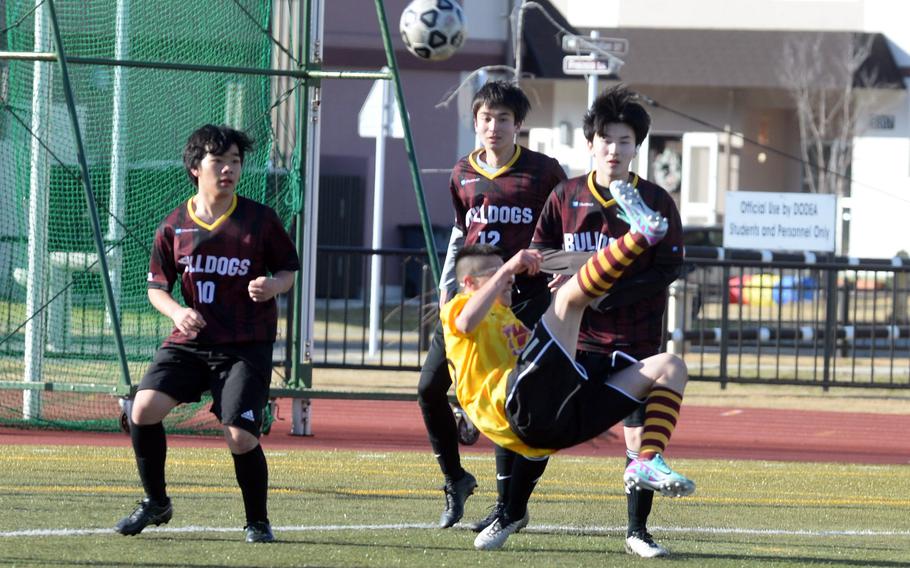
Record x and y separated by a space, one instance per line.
761 317
735 316
346 333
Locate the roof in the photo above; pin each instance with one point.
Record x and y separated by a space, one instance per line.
542 47
708 58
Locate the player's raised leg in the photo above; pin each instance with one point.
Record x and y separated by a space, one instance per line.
664 376
661 378
605 266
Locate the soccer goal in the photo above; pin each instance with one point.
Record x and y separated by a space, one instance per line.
98 97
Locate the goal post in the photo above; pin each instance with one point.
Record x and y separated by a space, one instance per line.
97 98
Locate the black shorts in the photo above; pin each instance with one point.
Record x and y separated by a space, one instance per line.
237 375
600 366
552 403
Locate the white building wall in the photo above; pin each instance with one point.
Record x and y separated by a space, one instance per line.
880 202
719 14
559 124
486 19
880 192
890 17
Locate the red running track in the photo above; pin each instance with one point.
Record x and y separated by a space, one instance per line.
703 432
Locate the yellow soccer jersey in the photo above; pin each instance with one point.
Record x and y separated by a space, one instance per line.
480 363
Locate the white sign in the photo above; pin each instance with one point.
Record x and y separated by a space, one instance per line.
780 221
586 65
370 116
575 43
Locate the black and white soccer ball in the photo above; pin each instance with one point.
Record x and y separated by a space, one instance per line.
432 29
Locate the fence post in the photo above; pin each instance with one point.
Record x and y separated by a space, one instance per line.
830 324
900 285
681 299
724 323
844 294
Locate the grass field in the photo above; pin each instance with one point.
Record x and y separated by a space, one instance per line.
57 505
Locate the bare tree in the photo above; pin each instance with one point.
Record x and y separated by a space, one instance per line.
823 75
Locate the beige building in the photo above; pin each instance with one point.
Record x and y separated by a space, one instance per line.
724 117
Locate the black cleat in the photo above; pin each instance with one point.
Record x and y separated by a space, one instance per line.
147 513
495 511
260 531
457 492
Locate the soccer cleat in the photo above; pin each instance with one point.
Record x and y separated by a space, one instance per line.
641 218
147 513
456 492
495 511
495 535
656 475
260 531
641 544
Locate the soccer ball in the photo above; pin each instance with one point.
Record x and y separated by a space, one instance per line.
432 29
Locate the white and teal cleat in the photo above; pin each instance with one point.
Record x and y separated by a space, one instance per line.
656 475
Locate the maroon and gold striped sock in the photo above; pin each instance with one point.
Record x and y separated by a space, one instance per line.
661 414
597 276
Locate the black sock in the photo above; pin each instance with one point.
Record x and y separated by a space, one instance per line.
252 473
638 505
505 463
433 398
525 474
150 447
443 435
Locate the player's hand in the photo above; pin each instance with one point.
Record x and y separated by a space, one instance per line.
557 281
188 321
262 289
525 261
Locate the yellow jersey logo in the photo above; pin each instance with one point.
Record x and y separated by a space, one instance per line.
516 337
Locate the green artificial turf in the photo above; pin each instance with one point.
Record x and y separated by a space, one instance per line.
345 508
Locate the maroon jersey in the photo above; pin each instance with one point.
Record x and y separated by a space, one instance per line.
215 264
502 208
631 317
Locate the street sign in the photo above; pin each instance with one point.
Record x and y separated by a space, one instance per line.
576 43
369 121
780 221
586 65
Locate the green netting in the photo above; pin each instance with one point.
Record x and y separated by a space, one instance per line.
54 325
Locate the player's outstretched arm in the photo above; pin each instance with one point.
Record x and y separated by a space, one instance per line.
525 261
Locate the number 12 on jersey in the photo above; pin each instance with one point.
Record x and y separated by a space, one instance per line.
488 237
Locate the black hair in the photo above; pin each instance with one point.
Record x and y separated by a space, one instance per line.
211 139
502 94
617 104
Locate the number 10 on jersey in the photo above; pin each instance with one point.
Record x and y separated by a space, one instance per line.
205 292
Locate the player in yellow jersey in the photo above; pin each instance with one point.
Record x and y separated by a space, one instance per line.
524 390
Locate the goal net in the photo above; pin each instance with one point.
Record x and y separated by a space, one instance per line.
56 331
